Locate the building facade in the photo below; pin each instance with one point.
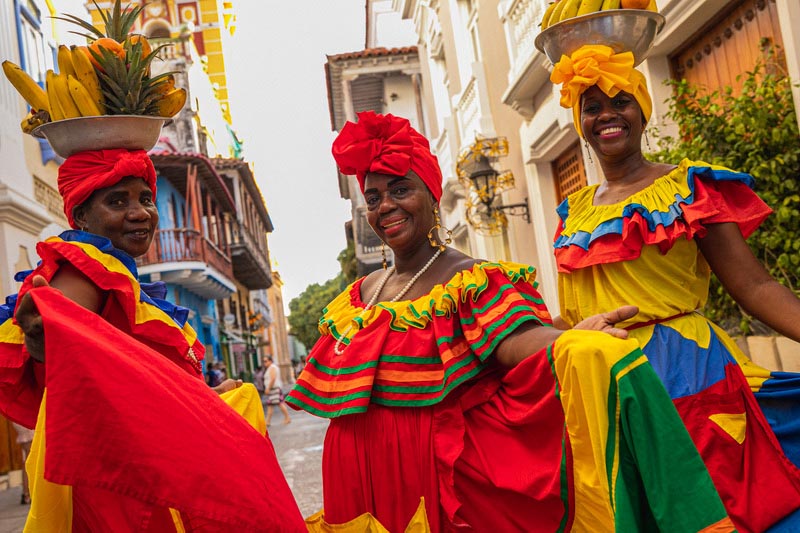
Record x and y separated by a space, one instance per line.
490 44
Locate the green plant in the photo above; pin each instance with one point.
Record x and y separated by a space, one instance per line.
753 131
306 310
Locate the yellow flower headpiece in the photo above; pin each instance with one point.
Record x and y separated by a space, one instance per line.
597 64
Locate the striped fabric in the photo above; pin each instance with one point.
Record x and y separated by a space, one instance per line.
642 251
413 353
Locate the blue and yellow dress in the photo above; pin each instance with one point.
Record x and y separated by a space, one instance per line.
642 251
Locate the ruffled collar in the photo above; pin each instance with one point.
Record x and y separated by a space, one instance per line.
443 299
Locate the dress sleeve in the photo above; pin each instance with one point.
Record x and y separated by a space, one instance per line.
496 299
720 196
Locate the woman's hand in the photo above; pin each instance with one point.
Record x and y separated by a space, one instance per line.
30 321
605 322
227 385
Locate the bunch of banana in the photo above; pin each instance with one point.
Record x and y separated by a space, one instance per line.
75 90
566 9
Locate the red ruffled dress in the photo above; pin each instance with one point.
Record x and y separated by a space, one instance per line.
427 430
128 437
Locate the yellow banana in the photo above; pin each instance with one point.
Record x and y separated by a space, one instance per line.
652 6
31 121
556 15
61 86
589 6
64 58
87 75
83 100
26 86
166 85
172 102
610 4
570 10
56 113
548 14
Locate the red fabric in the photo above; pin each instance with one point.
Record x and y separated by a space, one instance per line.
756 481
85 172
123 419
389 145
495 444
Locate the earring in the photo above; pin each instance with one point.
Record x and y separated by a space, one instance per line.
647 141
383 254
588 151
433 234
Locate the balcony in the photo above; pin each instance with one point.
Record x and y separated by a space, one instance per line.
184 257
250 264
530 68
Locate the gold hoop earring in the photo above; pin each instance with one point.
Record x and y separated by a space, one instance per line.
383 255
433 234
588 151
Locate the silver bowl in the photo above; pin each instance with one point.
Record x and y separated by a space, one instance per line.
621 29
73 135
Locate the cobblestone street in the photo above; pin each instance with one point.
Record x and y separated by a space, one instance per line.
299 449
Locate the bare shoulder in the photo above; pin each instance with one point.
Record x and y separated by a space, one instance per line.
453 263
77 287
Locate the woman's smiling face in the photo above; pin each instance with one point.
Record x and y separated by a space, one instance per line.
399 209
124 213
612 126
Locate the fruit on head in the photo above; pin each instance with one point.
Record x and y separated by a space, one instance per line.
635 4
26 86
109 44
136 38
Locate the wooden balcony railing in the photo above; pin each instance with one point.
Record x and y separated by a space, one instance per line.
183 245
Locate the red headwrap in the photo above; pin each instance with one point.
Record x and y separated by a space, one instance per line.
85 172
389 145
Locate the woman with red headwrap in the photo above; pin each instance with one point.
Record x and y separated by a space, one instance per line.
455 405
651 234
109 372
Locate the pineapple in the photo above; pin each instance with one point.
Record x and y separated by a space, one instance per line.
123 61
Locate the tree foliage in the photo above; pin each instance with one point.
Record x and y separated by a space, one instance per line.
306 310
754 131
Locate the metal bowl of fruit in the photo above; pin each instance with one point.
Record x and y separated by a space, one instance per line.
622 29
73 135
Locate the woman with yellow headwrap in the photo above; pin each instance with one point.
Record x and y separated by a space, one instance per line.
650 234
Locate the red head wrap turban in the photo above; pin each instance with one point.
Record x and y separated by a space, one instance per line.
388 145
85 172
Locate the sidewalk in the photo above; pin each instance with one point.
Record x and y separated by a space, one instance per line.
12 514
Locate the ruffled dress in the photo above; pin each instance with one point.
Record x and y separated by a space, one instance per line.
428 433
128 437
642 251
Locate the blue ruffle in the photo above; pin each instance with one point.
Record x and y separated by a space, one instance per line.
151 293
654 218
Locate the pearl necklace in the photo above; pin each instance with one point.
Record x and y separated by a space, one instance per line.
340 346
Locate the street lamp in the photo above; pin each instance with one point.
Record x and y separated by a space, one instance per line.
484 185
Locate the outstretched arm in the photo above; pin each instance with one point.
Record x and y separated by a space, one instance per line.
74 286
530 338
746 279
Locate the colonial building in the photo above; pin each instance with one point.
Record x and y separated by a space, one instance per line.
30 206
487 78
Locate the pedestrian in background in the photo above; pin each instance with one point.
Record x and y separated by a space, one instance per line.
24 439
273 387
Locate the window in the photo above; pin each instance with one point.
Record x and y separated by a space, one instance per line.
36 55
569 173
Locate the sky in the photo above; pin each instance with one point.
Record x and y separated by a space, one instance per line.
279 106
